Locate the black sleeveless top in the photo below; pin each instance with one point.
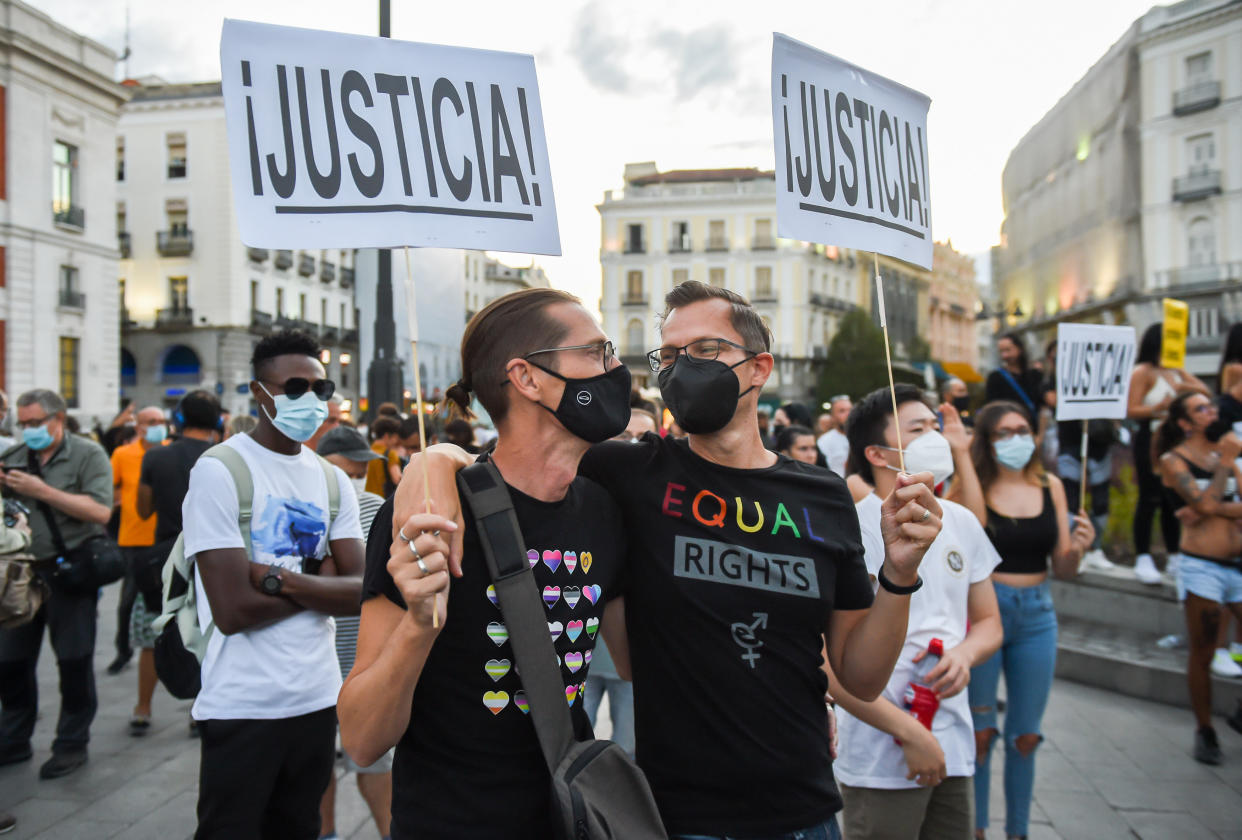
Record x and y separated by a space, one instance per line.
1203 478
1024 544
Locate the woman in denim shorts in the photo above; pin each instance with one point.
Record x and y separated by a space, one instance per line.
1197 466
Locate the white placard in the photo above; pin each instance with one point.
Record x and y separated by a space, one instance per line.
345 141
851 155
1093 371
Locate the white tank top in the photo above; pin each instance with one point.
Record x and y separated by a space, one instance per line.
1156 395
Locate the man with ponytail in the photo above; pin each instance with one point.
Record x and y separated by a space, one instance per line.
444 688
742 565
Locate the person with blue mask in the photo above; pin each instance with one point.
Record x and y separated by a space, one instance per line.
137 532
266 710
1029 524
66 483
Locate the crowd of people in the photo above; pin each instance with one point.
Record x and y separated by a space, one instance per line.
807 619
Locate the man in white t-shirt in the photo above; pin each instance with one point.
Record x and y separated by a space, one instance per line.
266 711
921 788
833 443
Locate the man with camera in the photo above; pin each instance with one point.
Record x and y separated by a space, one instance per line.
66 482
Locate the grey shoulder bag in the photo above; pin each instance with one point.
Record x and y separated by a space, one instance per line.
598 793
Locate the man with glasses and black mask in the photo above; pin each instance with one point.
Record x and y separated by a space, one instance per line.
270 677
742 565
65 481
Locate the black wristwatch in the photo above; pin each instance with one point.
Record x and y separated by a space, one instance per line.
271 581
889 585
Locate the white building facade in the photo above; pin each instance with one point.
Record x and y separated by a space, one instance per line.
1130 189
196 300
58 247
718 226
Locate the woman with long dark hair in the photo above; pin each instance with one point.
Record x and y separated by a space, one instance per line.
1152 390
1015 380
1203 475
1030 524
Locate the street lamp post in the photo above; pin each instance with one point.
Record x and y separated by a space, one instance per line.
384 376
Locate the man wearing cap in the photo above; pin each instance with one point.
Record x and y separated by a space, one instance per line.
347 449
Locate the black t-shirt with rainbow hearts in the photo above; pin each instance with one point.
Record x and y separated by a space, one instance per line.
732 578
469 764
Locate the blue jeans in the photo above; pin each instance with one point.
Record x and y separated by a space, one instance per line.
620 707
1028 657
826 831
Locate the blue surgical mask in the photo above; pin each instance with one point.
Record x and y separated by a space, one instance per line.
157 433
38 438
1015 452
297 419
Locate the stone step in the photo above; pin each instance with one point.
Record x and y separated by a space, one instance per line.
1127 661
1118 600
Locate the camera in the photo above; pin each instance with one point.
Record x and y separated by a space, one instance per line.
13 509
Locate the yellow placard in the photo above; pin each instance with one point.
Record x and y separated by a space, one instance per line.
1173 334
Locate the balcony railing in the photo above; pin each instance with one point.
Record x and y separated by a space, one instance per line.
260 322
327 271
72 216
306 265
634 300
347 277
176 169
123 244
178 242
679 245
257 254
1199 96
635 248
1196 185
285 323
284 259
763 296
1199 275
177 316
330 335
350 337
763 243
72 300
717 243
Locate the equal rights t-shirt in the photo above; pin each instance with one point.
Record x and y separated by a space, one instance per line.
959 557
732 577
287 668
469 764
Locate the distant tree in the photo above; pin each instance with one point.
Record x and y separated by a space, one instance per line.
855 361
918 350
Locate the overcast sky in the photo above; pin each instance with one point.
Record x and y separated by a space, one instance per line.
686 84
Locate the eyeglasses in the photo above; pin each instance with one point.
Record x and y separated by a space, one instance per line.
603 351
1007 434
34 422
703 350
296 386
1205 407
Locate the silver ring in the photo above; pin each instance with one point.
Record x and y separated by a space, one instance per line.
926 515
422 566
401 534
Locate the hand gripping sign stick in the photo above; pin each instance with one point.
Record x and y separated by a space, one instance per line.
412 318
888 357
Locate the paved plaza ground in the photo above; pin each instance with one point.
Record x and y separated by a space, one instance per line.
1111 767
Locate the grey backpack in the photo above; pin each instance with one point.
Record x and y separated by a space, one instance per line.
598 793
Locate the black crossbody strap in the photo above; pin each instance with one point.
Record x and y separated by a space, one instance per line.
521 606
58 542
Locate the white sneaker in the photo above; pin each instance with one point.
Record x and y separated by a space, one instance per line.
1145 570
1224 666
1096 561
1235 651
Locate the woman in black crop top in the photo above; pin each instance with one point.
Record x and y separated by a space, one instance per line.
1028 523
1204 476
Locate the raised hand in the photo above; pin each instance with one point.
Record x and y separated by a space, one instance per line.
419 566
909 523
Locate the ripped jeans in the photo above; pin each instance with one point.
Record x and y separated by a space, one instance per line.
1028 658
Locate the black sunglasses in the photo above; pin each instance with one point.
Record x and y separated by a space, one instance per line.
296 386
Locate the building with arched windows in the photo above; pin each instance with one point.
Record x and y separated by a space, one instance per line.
1130 189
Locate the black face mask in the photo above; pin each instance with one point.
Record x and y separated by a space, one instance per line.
702 395
594 409
962 404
